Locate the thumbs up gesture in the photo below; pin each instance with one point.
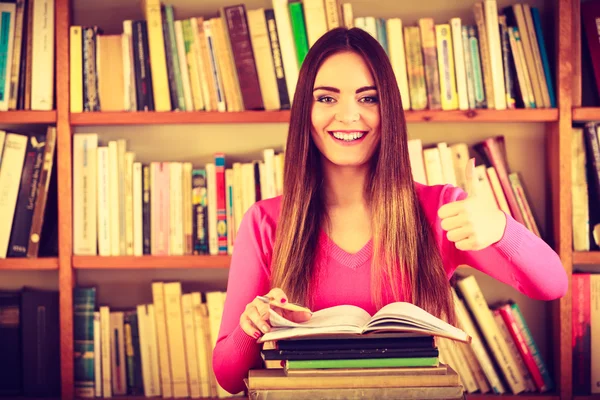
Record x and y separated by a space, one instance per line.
470 223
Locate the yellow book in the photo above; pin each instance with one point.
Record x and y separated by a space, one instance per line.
158 300
446 67
175 337
158 63
76 69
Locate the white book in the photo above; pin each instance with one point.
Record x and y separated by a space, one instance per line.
395 37
85 172
106 351
417 164
490 9
238 206
130 100
129 160
113 197
122 197
265 67
188 215
158 301
279 159
211 181
286 44
316 22
175 209
269 182
348 15
2 138
203 79
76 69
433 166
175 337
148 350
42 65
117 348
204 364
459 63
183 69
138 223
103 202
447 163
97 355
7 35
11 168
189 332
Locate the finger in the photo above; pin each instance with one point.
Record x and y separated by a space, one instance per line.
466 244
258 316
296 316
462 233
470 178
454 222
248 327
451 209
278 295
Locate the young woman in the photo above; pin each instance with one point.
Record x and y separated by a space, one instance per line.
352 227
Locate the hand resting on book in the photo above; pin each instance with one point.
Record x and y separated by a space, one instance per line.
255 318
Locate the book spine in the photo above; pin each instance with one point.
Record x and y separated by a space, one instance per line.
91 100
221 203
200 218
284 97
484 49
509 66
28 193
430 62
156 45
84 304
84 193
581 333
478 81
17 56
415 68
449 96
173 68
76 69
146 210
535 14
42 66
299 31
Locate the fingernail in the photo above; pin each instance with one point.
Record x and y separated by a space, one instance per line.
282 363
265 328
283 300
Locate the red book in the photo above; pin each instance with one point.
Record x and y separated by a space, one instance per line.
581 338
221 203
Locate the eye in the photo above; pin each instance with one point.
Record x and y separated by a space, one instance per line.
325 99
369 99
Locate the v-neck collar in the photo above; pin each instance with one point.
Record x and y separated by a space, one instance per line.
350 260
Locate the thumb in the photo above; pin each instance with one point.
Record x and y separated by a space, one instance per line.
470 179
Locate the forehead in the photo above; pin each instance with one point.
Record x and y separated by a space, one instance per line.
345 70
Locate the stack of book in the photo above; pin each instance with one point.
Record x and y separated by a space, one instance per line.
343 352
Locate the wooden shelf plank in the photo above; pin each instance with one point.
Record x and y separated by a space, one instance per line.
28 117
33 264
204 117
586 257
528 396
197 117
150 262
583 114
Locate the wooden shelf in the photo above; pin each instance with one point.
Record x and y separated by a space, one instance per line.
586 257
33 264
583 114
204 117
528 396
588 397
28 117
150 262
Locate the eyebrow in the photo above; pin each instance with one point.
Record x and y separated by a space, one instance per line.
336 90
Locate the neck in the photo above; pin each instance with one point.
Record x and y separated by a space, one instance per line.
345 186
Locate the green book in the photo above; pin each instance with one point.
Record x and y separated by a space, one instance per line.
299 31
364 363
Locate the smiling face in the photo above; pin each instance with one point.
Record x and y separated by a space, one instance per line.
345 113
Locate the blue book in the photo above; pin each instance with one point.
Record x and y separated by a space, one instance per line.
84 304
535 14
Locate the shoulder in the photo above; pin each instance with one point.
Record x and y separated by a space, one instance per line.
265 211
259 225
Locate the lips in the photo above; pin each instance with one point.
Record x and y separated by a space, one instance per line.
348 137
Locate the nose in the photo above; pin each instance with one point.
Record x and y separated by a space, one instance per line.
348 111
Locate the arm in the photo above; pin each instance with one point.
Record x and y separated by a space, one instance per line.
520 258
236 352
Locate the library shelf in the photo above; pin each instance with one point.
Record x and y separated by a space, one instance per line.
151 262
213 117
586 258
528 396
583 114
33 264
27 117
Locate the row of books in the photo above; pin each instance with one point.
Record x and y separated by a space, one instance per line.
585 186
496 183
28 197
249 59
29 343
585 316
124 207
159 349
27 55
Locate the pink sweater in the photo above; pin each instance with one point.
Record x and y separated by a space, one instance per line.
520 259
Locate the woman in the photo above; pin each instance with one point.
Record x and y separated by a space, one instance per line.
352 227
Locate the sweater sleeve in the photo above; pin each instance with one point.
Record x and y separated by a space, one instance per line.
236 352
520 258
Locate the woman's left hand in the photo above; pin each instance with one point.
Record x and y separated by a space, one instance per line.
472 224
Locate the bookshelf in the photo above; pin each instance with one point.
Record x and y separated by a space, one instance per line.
525 130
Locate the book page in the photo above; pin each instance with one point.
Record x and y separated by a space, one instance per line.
337 316
410 314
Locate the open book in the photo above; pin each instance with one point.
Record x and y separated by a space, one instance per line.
348 320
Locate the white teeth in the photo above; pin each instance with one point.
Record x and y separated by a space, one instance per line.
348 136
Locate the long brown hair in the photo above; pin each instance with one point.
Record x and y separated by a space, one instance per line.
406 260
